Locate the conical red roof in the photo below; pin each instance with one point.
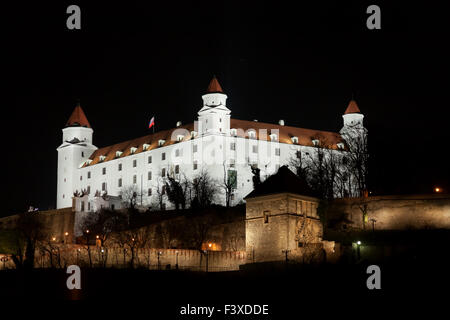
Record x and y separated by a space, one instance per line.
214 86
352 107
78 118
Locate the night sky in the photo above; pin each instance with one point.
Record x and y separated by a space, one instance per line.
275 61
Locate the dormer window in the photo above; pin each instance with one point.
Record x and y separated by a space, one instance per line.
233 132
340 146
145 146
161 142
88 162
118 153
193 134
294 140
315 142
180 137
273 137
133 150
101 158
252 134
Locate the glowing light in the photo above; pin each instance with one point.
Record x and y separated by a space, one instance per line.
358 243
97 236
54 238
66 234
87 231
437 189
209 245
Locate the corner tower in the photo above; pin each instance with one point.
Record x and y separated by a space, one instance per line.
353 123
76 147
214 116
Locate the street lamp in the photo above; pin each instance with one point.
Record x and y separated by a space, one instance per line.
358 249
176 265
437 190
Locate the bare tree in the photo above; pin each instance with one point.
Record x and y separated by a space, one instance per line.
129 196
177 190
204 190
228 184
26 234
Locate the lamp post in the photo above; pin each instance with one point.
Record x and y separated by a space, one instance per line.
159 263
207 256
176 265
358 250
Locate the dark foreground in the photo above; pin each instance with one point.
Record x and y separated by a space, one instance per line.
334 289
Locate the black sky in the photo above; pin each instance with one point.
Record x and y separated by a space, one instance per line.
301 63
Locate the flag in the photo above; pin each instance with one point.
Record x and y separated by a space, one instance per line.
152 122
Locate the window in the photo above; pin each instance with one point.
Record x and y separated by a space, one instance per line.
298 154
89 174
82 153
149 192
233 146
300 244
273 137
149 159
133 150
104 186
120 182
82 205
163 189
294 140
81 178
252 134
195 165
177 152
88 189
134 163
220 119
120 167
194 148
149 175
163 156
89 206
103 170
177 169
266 216
315 142
161 142
255 149
232 163
134 179
233 132
163 172
277 151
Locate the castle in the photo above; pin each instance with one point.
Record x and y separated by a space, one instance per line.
90 178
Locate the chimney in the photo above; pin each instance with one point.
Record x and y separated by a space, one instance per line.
178 123
281 122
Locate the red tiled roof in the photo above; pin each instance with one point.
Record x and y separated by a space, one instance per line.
78 118
214 86
305 137
352 107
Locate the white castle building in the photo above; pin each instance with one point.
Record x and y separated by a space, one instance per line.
215 142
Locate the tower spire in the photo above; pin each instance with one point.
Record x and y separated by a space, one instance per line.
78 118
214 86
